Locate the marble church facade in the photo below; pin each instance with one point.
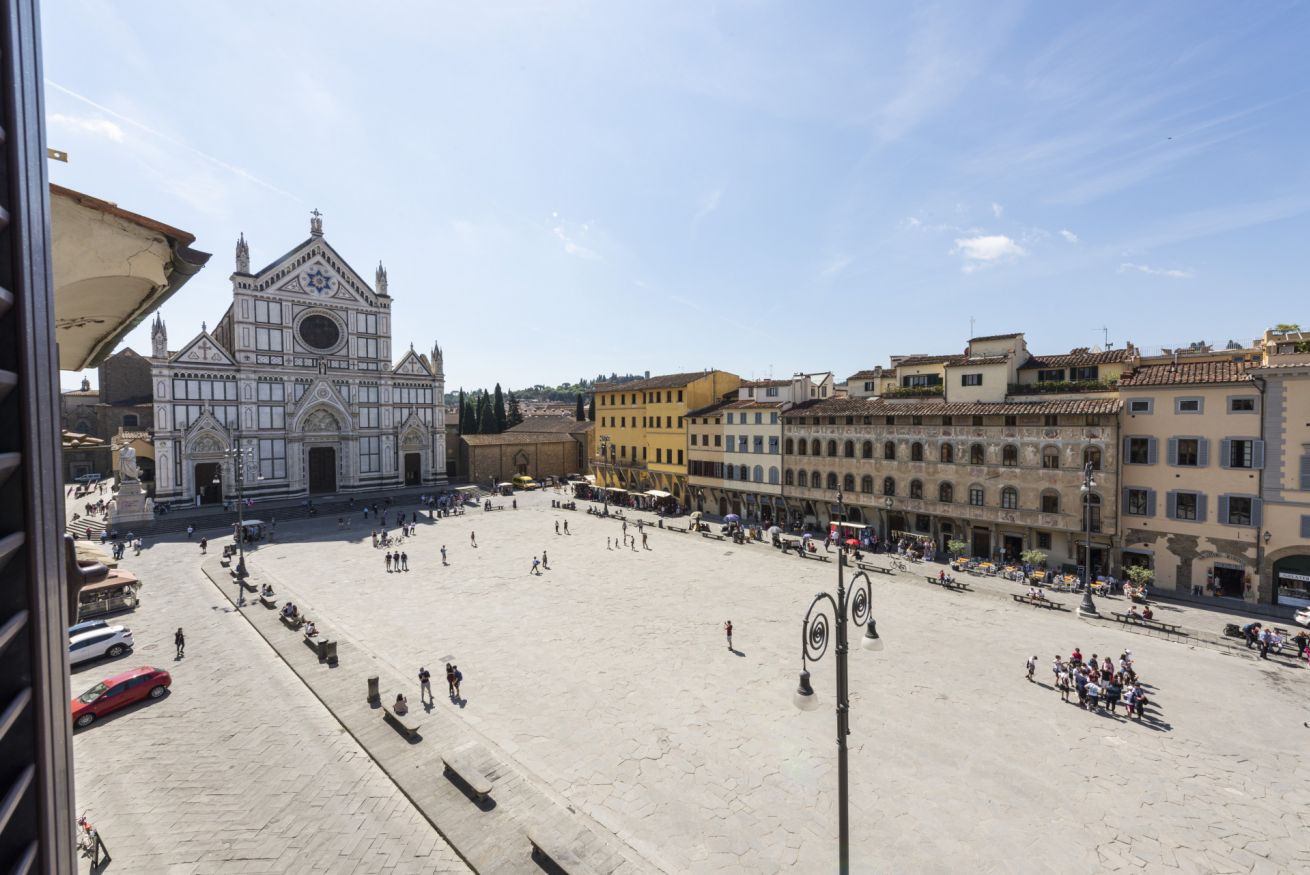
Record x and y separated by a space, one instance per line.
298 375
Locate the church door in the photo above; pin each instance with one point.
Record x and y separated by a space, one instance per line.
413 469
209 491
322 469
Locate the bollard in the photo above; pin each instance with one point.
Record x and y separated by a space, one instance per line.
373 694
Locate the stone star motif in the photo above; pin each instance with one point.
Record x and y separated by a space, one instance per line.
318 282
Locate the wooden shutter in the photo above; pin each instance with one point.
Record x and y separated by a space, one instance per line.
1150 502
1257 511
1173 451
1202 452
1223 509
1200 506
1171 505
1258 455
1305 471
1152 451
1225 452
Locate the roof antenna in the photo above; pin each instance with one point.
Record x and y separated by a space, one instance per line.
971 328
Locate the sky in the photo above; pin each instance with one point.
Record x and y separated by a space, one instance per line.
563 189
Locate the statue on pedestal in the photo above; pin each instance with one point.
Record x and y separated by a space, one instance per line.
127 466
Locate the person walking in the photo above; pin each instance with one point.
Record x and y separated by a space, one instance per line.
459 679
535 563
473 539
544 563
179 641
566 527
443 555
1031 666
644 546
404 561
727 631
425 684
557 527
204 546
190 530
450 679
388 561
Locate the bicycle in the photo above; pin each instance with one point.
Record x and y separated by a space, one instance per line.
89 844
900 565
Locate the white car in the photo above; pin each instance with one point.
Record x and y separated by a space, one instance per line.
110 641
1303 616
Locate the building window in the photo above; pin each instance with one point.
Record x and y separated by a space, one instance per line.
889 486
977 422
1186 506
1043 540
1137 501
1092 503
800 447
773 475
1188 405
1051 420
1010 498
889 450
1141 406
268 312
816 449
832 480
848 483
757 445
1050 502
789 447
1242 453
679 457
1050 458
971 379
976 496
945 493
770 392
1239 510
1241 405
773 444
916 489
832 449
816 480
889 420
976 455
1011 420
679 395
916 452
848 449
866 450
1091 372
272 459
370 459
1187 452
130 420
866 484
789 477
947 453
916 420
1092 456
1053 375
368 417
757 474
742 443
729 418
275 417
1010 455
1140 450
269 339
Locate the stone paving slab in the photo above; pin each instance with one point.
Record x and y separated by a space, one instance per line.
492 836
608 678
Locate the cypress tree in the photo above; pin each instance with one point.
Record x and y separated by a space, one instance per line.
581 414
513 416
487 418
460 424
498 410
591 408
472 416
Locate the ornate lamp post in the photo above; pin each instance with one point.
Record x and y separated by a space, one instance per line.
1088 607
241 457
853 607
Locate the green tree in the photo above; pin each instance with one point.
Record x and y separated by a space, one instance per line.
581 414
460 425
513 416
498 410
957 548
469 416
1033 557
1140 575
487 417
591 408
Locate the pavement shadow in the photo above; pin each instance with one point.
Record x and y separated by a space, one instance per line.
737 652
486 803
123 712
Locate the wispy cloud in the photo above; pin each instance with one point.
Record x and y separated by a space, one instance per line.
1171 273
101 127
985 250
708 204
570 240
997 210
1068 235
836 266
219 162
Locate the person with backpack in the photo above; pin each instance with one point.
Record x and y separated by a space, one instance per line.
424 683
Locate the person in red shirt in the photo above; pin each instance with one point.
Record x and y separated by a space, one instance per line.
727 630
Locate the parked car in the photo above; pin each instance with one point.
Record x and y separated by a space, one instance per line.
119 691
1303 616
86 626
523 481
109 641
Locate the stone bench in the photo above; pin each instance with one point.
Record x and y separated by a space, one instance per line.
462 762
947 584
714 536
410 732
1130 620
293 623
268 601
225 562
680 531
553 847
822 557
866 566
1037 603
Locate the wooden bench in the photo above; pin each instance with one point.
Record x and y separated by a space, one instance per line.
1129 619
712 535
676 529
410 732
561 852
822 557
866 566
1036 603
268 601
462 762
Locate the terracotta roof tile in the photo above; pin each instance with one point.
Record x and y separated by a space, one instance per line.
1185 373
866 375
967 361
764 384
513 438
1075 359
916 360
881 407
665 381
550 425
996 337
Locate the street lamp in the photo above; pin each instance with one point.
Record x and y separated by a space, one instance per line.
241 457
854 607
1088 607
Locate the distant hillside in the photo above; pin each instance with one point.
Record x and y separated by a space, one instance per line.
563 392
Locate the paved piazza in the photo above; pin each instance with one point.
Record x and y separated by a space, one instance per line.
607 679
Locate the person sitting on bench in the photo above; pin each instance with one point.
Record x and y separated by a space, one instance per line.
266 591
1147 613
401 708
310 629
289 610
1132 613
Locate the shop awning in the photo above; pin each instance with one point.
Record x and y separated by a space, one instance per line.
656 493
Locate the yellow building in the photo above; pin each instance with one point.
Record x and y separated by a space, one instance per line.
641 429
1284 376
1192 458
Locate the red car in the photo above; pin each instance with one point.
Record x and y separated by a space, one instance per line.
119 691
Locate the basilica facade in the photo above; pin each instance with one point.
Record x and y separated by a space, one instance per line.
296 380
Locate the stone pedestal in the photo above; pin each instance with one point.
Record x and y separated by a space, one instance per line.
129 504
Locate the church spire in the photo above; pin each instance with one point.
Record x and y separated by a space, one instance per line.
243 255
381 283
158 338
437 365
316 224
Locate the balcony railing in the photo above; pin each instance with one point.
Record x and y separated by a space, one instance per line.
915 392
1062 387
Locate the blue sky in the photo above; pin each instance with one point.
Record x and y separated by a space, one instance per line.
567 188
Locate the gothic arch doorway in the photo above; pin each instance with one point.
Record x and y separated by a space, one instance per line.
322 470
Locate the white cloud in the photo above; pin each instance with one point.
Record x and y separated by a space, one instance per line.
997 209
1171 273
101 127
986 249
1068 235
572 247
